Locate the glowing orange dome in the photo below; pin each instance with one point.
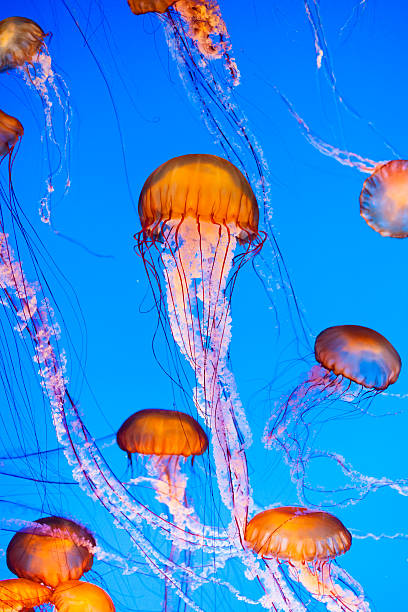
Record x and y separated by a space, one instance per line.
20 594
20 40
162 432
204 187
77 596
51 551
138 7
10 131
297 534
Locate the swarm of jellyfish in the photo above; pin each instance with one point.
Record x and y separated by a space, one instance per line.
173 489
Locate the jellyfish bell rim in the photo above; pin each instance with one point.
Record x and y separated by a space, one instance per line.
245 221
306 549
366 211
144 7
339 370
163 411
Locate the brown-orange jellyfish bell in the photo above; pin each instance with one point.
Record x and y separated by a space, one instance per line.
77 596
384 199
51 550
307 540
20 41
297 534
360 354
162 432
203 187
138 7
20 594
10 132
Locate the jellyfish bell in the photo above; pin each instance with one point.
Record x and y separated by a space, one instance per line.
384 199
21 39
139 7
297 534
11 131
360 354
205 188
21 594
307 540
51 550
162 432
78 596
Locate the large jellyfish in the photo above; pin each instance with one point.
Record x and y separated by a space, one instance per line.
355 364
51 550
23 50
78 596
193 210
307 541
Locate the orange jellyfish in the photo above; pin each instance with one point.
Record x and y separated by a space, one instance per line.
384 199
77 596
307 541
21 40
11 131
51 550
194 209
20 594
355 364
164 436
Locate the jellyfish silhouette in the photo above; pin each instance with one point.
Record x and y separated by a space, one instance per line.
355 364
194 209
307 541
23 50
384 199
51 550
78 596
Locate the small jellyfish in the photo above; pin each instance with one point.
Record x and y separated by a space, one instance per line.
21 40
11 131
384 199
139 7
307 541
355 363
51 550
77 596
164 436
21 594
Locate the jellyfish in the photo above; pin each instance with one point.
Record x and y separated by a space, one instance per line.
307 541
11 131
51 550
78 596
165 437
384 199
23 50
194 209
355 364
20 594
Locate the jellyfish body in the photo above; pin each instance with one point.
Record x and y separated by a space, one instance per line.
77 596
354 364
11 131
199 207
139 7
21 40
20 594
307 541
384 199
51 550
